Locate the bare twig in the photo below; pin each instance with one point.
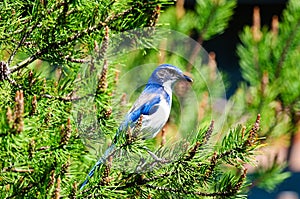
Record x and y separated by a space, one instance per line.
76 60
17 170
66 99
26 34
27 61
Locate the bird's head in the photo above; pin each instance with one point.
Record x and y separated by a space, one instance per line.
167 75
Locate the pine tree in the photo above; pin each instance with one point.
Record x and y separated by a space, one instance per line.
54 54
268 59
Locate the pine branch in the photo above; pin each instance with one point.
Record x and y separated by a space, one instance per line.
17 170
24 37
74 60
27 61
68 40
186 192
68 98
199 144
286 47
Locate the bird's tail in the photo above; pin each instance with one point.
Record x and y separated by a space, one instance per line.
101 161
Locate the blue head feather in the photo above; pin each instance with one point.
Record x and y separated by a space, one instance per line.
167 73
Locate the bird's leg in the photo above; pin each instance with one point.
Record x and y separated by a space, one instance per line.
141 165
144 165
157 159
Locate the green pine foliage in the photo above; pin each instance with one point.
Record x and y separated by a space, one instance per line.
205 169
209 18
61 103
43 44
268 59
214 17
269 64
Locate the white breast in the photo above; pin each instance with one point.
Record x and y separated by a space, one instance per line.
152 124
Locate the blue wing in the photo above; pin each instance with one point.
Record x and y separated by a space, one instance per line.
147 104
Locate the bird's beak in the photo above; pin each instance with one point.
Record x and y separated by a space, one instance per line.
187 78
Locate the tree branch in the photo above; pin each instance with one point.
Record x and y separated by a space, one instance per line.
284 52
26 62
76 36
182 191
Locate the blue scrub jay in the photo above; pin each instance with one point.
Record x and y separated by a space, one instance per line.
154 104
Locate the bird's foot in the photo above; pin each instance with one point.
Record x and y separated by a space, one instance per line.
158 159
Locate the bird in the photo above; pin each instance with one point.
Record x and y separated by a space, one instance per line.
153 104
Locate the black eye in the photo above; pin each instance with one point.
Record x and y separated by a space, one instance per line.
162 74
166 74
172 73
